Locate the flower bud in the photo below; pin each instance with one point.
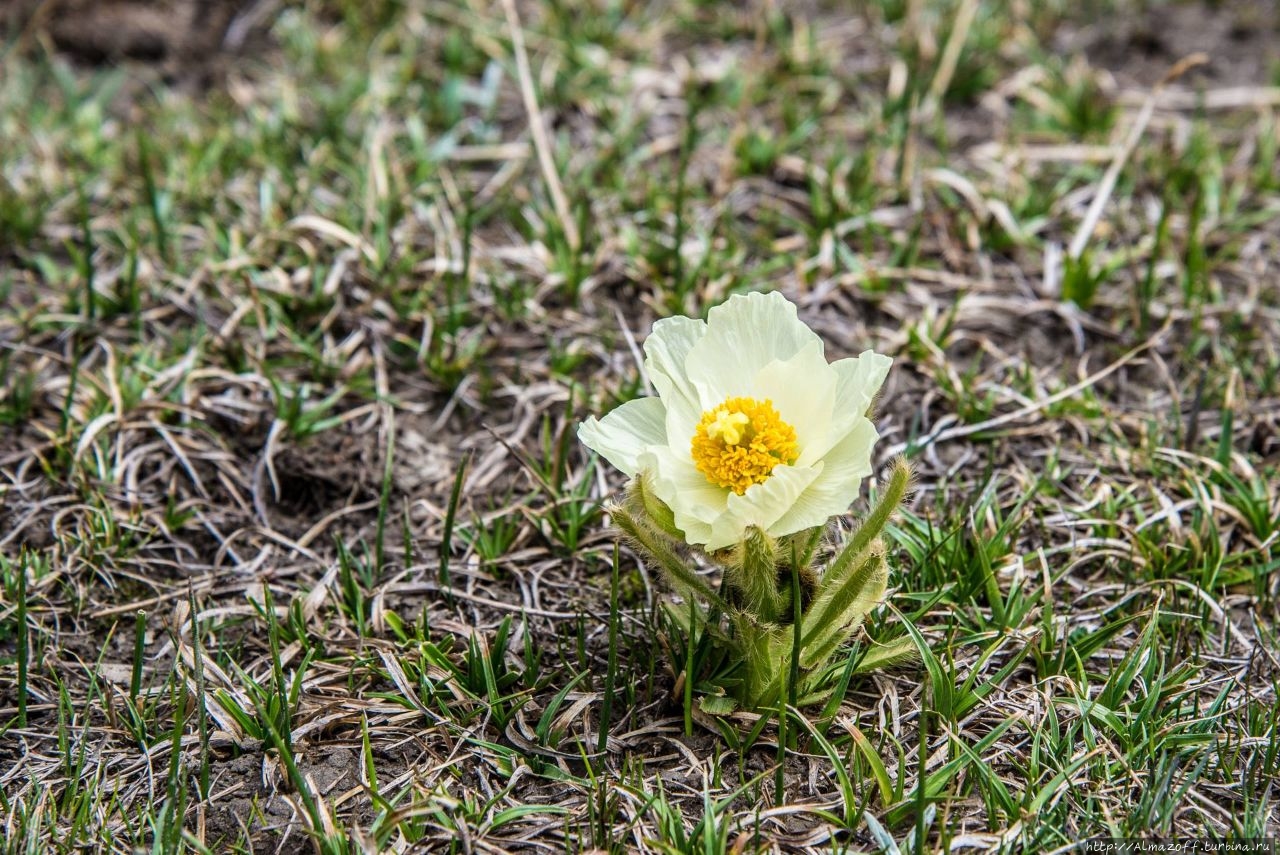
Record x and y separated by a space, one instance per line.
754 576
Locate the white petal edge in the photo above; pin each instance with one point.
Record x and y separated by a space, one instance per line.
625 432
844 468
762 505
695 501
744 334
858 382
803 390
666 350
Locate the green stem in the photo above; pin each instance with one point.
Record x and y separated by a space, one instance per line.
139 648
793 678
755 576
606 707
690 663
678 573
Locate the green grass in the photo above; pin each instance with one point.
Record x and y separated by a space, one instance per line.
298 548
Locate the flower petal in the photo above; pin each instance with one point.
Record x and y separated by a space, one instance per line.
624 433
803 390
744 334
843 469
859 381
694 500
762 505
665 353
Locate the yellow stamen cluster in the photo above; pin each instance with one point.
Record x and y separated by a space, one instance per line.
738 443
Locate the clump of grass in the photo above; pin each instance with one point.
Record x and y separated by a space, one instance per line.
248 333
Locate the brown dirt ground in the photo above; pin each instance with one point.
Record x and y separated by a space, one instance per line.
336 470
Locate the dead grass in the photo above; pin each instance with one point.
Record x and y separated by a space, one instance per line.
299 549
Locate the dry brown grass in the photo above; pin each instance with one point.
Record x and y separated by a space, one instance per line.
280 392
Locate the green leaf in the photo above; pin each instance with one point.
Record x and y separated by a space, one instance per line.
870 529
887 654
840 610
717 704
942 687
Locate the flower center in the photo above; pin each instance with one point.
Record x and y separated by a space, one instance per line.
738 443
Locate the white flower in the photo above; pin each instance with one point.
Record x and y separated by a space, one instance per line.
751 425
